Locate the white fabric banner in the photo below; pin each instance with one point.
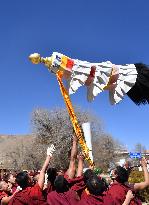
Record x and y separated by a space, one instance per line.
88 138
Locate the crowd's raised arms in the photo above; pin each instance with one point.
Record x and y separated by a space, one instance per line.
73 186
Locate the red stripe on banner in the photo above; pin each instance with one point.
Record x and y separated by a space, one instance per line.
70 63
91 76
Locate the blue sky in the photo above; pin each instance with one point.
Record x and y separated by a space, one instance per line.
95 31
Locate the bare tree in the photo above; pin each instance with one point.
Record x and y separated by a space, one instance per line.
104 148
55 127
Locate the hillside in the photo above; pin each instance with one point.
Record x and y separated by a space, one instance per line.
10 146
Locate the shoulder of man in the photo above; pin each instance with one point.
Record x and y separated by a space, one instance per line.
2 194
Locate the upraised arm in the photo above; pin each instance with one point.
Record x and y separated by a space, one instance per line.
41 179
143 185
80 165
72 167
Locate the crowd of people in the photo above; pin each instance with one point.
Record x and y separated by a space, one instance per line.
75 185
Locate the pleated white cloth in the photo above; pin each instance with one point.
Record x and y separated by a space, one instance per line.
80 72
126 80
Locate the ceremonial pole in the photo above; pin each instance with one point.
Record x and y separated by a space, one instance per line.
36 59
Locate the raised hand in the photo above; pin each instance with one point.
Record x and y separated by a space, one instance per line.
50 150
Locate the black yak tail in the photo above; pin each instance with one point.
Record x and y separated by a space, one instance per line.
139 93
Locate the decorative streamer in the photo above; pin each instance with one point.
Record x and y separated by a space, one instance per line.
73 117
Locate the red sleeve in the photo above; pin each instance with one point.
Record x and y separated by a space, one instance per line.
35 192
109 200
75 180
117 193
77 183
2 194
37 196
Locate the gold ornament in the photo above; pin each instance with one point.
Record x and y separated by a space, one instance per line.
35 58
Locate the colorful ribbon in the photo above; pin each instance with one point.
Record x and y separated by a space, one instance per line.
73 117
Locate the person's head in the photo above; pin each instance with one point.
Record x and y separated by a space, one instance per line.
88 174
52 173
60 170
23 179
4 186
11 179
95 186
61 184
120 174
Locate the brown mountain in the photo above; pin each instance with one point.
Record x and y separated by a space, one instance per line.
12 147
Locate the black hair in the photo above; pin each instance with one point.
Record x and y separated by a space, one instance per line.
61 184
122 174
88 174
95 186
52 173
22 179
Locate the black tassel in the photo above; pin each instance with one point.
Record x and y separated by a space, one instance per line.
139 93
